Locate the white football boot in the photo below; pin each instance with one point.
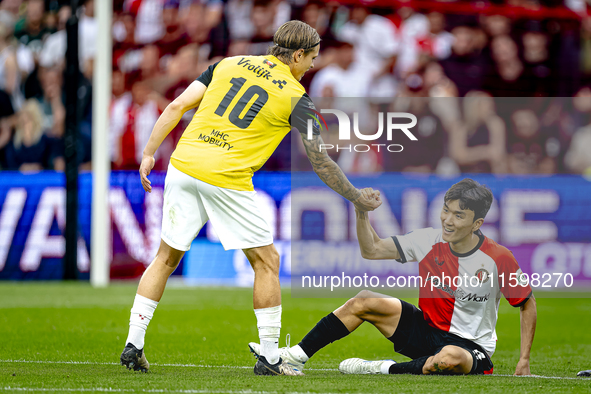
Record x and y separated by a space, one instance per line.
359 366
286 355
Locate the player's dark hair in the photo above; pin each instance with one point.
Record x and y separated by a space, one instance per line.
471 195
292 36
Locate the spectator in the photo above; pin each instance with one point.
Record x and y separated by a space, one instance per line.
423 157
437 83
148 19
175 36
6 109
496 25
24 56
31 30
51 102
468 65
437 42
318 15
328 82
88 29
238 16
478 146
374 40
527 149
150 69
10 76
31 149
536 58
132 119
585 54
182 71
578 158
580 114
321 16
200 19
118 84
54 50
11 6
510 79
6 123
126 52
412 28
262 17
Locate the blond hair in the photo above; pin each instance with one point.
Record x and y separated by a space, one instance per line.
291 37
32 111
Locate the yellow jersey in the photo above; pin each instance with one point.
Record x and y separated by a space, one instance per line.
242 118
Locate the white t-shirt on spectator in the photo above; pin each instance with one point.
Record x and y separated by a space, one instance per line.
54 49
374 42
413 28
238 16
331 76
25 59
148 23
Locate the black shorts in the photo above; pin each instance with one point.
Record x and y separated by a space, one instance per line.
415 338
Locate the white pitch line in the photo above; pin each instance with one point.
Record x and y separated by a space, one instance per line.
112 390
541 377
152 364
250 367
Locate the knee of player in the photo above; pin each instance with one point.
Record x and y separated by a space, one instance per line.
360 303
269 263
449 360
263 259
363 294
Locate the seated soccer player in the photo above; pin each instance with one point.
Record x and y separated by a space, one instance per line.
453 330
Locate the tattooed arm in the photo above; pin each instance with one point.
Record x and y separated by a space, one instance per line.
333 176
323 165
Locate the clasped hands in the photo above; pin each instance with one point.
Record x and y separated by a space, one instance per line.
368 200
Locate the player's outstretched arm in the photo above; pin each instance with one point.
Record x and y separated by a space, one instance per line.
372 246
528 318
171 116
333 176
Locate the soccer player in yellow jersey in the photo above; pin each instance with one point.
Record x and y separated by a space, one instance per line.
245 110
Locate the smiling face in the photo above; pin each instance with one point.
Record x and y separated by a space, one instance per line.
302 62
458 224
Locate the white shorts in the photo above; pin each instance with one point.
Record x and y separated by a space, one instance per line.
189 203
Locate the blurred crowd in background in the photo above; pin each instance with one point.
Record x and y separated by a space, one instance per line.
418 56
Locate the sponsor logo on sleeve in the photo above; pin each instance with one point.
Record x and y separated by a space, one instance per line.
521 278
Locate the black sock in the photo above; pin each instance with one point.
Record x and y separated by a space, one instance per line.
414 367
326 331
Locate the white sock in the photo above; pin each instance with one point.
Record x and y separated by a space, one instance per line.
299 353
141 314
269 325
385 367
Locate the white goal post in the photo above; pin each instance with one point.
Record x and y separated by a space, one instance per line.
101 164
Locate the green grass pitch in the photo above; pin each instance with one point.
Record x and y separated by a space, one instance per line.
68 338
